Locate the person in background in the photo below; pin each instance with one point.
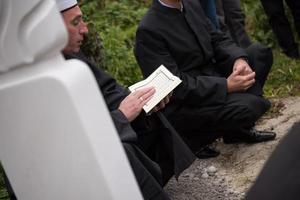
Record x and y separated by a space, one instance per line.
280 176
232 21
209 7
153 148
228 17
222 84
281 26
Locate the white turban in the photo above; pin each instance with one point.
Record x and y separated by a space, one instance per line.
64 5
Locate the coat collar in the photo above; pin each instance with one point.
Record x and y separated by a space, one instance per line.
158 6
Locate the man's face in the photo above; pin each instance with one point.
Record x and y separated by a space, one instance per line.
76 29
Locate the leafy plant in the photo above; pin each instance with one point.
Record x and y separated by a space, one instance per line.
116 25
257 23
3 192
284 78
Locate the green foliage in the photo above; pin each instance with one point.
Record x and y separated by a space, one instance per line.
284 78
3 192
257 23
115 22
116 25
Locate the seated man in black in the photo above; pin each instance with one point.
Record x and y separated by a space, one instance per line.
166 153
222 88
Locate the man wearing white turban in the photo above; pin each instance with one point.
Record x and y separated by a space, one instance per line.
153 147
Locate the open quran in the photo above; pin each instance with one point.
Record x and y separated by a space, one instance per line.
162 80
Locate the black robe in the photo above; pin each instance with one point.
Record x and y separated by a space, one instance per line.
280 177
144 138
187 44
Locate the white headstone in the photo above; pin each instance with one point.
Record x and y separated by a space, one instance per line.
57 140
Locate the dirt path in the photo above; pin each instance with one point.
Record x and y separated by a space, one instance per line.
237 166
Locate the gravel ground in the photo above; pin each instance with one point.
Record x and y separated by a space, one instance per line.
199 182
230 175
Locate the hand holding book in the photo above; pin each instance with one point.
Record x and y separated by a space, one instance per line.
162 103
133 104
164 83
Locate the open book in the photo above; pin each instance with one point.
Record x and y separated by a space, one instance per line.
162 80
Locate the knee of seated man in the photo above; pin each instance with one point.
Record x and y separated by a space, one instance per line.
257 106
248 101
249 115
260 53
251 108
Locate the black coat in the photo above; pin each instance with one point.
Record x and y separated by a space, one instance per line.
153 134
186 43
280 177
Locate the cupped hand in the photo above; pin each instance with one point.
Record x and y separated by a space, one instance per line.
162 103
133 104
242 64
238 81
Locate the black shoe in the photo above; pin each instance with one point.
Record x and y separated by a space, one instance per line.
253 136
256 136
207 152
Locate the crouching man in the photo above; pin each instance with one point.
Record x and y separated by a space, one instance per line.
154 149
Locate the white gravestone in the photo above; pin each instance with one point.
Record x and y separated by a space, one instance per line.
57 140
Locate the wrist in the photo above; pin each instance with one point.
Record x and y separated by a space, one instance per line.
244 58
228 85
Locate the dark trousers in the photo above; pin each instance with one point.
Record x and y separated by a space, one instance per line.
232 21
163 145
280 177
147 174
280 24
202 125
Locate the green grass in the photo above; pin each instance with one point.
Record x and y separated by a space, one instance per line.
283 81
3 192
284 78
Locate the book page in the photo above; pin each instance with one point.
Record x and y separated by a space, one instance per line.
162 80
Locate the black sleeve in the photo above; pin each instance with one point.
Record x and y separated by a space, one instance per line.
151 52
126 132
225 49
112 92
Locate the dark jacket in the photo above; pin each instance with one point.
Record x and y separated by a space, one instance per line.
165 140
186 43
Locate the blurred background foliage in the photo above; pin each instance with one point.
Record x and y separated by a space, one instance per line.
3 192
112 25
284 78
